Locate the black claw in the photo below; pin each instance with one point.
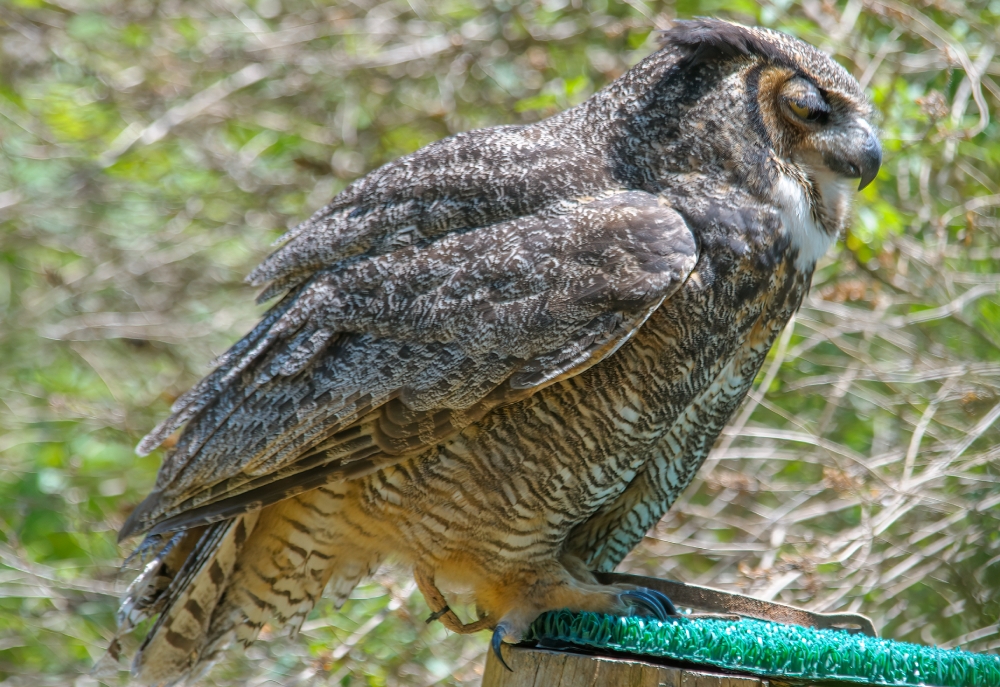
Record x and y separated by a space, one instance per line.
647 602
437 614
656 603
667 604
497 642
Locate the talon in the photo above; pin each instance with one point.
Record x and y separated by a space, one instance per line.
639 598
667 604
656 603
497 643
437 614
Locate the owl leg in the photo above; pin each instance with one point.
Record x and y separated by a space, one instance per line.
577 568
558 585
657 603
439 605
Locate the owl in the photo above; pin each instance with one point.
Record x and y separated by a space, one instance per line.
500 359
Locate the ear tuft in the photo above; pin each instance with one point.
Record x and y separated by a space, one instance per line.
713 39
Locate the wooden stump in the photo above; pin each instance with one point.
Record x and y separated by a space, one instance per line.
541 668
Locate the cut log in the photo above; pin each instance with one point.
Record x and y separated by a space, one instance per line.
542 668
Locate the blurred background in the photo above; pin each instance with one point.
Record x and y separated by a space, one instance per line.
151 151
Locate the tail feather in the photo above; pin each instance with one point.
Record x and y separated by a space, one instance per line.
218 584
145 596
289 561
173 646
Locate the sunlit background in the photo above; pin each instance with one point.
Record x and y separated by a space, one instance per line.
151 152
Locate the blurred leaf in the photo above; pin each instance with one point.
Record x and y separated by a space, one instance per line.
865 477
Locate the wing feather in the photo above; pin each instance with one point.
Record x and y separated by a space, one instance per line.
379 358
463 181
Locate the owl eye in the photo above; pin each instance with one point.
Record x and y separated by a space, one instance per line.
804 112
804 102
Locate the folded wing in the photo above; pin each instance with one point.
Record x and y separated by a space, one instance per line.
379 357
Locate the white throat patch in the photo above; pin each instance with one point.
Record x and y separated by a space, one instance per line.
798 221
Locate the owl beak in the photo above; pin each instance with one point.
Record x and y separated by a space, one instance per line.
853 151
869 159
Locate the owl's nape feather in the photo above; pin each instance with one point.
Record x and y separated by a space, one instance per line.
502 357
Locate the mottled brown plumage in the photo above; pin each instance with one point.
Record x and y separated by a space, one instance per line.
501 358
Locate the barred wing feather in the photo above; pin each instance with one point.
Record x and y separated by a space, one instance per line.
377 358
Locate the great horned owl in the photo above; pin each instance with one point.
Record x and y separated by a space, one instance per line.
501 358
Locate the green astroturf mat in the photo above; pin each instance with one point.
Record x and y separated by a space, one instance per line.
774 650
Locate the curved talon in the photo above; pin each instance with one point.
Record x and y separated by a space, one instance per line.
437 614
497 642
639 598
657 603
668 605
425 582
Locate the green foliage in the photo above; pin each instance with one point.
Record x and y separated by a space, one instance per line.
151 152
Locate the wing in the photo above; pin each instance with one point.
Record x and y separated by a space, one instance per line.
379 358
468 180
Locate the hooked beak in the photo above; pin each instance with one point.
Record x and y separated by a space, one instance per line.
855 153
869 159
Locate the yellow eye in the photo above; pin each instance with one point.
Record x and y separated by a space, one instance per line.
799 110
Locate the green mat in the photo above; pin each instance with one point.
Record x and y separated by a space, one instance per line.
774 650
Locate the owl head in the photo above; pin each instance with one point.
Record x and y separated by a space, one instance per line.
808 107
755 109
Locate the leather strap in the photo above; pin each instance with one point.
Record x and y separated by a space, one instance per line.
718 601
